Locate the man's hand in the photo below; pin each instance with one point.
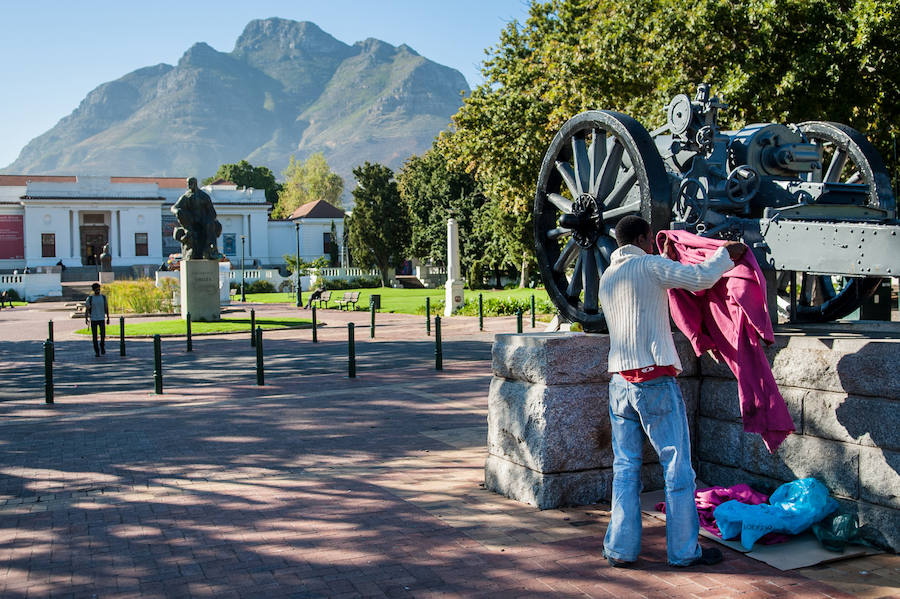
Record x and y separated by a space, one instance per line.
669 250
107 320
735 249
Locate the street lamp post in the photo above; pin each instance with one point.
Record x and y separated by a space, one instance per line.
297 266
243 295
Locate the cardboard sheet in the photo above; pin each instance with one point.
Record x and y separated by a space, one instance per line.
801 551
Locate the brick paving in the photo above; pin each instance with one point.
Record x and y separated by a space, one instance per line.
315 485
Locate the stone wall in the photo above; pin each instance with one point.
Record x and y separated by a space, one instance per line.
843 393
548 427
548 420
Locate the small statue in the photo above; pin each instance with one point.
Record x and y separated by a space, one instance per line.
198 228
105 259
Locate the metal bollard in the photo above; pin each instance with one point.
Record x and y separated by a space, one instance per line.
121 335
252 327
438 351
157 364
50 339
480 312
532 310
428 316
519 321
48 371
372 328
351 351
190 343
315 326
260 374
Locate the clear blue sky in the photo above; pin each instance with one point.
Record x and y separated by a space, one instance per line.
52 53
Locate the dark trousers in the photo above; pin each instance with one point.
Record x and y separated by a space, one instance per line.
99 324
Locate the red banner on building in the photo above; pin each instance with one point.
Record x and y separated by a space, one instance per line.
12 237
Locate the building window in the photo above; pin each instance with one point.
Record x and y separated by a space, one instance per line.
326 243
140 244
228 244
48 245
94 219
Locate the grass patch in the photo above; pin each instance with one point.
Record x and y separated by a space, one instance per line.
178 327
406 301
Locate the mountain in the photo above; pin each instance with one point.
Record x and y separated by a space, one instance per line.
287 88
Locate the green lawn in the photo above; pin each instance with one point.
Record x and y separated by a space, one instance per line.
403 301
176 327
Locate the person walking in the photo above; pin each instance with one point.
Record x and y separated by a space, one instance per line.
644 397
96 313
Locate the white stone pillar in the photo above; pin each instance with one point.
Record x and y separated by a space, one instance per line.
453 295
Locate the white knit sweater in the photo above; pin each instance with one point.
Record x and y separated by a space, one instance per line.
634 299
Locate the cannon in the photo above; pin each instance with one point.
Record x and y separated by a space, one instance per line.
812 199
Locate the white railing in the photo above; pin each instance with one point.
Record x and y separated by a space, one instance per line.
33 285
346 273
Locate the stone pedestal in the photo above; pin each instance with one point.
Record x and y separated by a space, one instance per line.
200 289
106 277
548 419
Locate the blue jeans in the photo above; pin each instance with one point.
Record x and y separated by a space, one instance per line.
657 409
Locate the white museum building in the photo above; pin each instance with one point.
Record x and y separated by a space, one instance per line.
45 219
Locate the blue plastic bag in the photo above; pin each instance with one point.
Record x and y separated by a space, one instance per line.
792 508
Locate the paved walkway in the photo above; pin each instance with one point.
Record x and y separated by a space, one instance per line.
315 485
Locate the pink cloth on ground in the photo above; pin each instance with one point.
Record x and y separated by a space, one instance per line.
709 498
729 320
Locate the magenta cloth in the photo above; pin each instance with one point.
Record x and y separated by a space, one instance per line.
730 320
709 498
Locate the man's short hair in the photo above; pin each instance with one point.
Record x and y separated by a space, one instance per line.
95 286
630 228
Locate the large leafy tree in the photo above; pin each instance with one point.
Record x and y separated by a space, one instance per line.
308 181
379 225
432 193
772 60
245 174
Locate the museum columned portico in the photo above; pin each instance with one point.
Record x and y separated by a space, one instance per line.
46 220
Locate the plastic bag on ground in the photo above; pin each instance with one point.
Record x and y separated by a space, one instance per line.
792 508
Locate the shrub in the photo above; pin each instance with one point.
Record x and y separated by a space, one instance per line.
495 306
353 283
259 287
140 296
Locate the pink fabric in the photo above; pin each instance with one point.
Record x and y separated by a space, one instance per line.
709 498
730 319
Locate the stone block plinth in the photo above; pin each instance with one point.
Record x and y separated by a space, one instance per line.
200 290
548 419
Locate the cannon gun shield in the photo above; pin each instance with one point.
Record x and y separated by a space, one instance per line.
601 166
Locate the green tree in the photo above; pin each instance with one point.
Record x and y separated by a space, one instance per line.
432 193
246 175
307 182
379 225
333 246
772 60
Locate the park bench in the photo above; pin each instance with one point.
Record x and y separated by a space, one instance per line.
349 300
322 300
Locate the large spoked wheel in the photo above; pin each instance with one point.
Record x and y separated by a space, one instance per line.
600 167
848 157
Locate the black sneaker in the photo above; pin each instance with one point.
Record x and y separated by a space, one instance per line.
618 563
708 557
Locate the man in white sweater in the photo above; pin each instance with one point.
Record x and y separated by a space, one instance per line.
643 394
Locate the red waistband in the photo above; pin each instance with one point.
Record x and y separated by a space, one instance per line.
647 373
